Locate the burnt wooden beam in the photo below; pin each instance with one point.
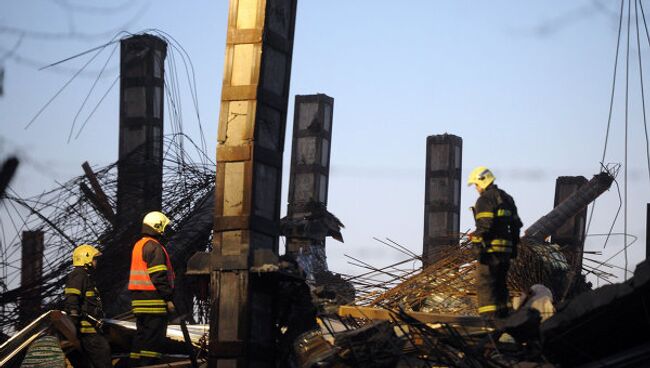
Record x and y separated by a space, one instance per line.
99 195
7 173
108 215
389 315
251 131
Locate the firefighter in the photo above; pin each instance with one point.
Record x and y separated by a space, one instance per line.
84 306
495 239
151 283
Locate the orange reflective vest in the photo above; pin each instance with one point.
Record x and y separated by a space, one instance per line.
139 276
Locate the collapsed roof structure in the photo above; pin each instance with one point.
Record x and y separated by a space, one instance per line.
256 307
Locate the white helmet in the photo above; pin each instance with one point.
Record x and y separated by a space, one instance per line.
156 221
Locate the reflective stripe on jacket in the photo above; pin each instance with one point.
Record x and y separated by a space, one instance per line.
139 278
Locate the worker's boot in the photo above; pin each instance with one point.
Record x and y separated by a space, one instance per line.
502 313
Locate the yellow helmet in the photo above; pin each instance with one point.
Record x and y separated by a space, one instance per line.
83 255
481 176
156 221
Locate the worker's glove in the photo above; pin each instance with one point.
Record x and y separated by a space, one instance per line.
98 323
100 326
470 236
477 241
171 308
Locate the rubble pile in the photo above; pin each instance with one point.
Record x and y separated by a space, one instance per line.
406 341
448 285
607 325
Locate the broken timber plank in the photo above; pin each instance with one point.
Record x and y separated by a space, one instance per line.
7 173
388 315
96 202
102 199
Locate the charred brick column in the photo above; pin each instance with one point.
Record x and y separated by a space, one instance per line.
441 194
139 166
31 272
251 132
309 178
139 169
571 235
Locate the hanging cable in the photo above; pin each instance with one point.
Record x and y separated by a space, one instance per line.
618 212
64 86
90 91
611 100
191 78
98 48
97 106
627 104
611 104
177 96
645 125
604 263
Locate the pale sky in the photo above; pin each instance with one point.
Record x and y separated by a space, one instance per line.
525 84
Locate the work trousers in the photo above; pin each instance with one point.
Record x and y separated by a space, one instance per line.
147 346
492 290
96 352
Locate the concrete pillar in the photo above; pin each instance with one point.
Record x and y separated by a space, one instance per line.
441 194
251 131
309 178
571 235
31 272
140 161
139 169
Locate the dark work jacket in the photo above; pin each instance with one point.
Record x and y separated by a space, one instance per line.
82 298
497 222
154 255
